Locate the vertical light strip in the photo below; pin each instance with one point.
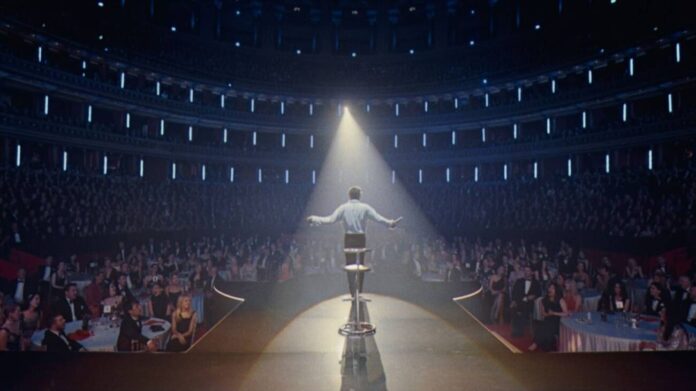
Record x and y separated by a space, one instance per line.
173 170
425 106
514 131
253 138
105 164
396 109
553 86
607 163
584 119
519 94
367 107
231 174
420 175
456 103
570 167
393 177
161 127
89 114
190 133
39 53
396 141
677 52
505 171
311 109
190 95
203 172
65 160
631 68
282 140
158 88
252 105
224 135
669 102
45 104
454 137
311 141
260 175
18 157
476 174
483 135
142 168
425 140
650 159
222 101
486 100
536 170
122 82
314 177
127 120
548 125
447 175
624 112
287 176
589 76
282 108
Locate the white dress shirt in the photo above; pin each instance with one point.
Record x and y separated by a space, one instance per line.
19 292
354 215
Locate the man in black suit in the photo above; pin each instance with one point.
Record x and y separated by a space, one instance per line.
524 292
55 339
130 336
73 307
20 288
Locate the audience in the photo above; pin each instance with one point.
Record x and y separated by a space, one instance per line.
72 307
183 325
11 335
130 337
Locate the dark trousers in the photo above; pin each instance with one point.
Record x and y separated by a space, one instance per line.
354 241
520 318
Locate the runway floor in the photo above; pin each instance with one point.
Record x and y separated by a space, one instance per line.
285 337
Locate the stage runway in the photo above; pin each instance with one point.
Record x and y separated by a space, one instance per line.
413 349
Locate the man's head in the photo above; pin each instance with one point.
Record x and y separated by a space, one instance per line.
71 292
685 282
354 193
133 309
57 322
21 274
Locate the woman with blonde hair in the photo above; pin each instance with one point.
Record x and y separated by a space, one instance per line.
572 297
183 325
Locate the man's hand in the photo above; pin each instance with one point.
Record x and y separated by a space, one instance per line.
394 222
312 219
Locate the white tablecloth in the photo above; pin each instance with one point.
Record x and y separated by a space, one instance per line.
104 337
576 335
590 299
197 300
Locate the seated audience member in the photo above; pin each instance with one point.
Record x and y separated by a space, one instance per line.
113 300
671 334
198 277
571 297
553 307
615 299
95 292
130 336
183 325
32 316
602 279
59 279
688 308
655 300
72 306
174 289
159 306
20 288
662 267
681 293
55 339
123 289
581 277
633 271
497 288
11 336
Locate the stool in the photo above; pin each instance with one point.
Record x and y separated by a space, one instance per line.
356 328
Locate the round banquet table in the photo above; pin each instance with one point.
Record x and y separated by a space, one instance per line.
614 335
590 299
197 300
104 335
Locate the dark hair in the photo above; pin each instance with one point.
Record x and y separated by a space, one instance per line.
129 305
52 317
622 289
70 285
354 193
10 308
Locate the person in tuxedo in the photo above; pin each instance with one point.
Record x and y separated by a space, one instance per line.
20 288
688 308
681 294
72 307
130 336
524 292
55 339
656 299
